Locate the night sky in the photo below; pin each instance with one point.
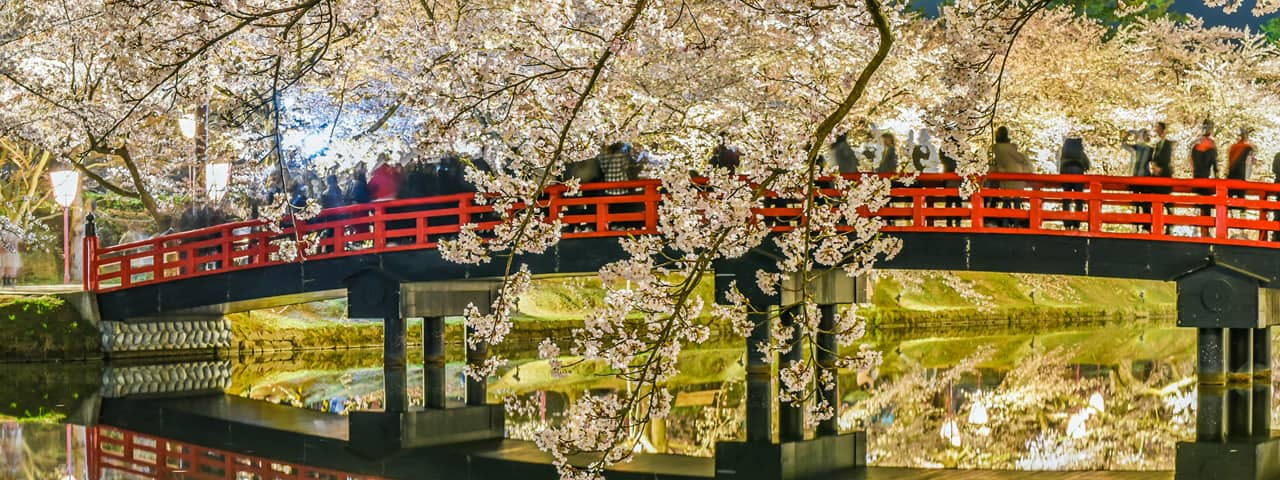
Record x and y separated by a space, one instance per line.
1211 16
1214 16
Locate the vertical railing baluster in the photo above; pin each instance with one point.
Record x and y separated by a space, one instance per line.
976 207
1095 207
553 205
651 201
917 208
1220 212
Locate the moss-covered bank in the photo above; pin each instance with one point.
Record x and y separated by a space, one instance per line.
43 328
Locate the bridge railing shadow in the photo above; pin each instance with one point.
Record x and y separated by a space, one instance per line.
1161 209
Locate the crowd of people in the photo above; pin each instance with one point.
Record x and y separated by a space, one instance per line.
417 177
1150 157
387 180
1151 153
10 259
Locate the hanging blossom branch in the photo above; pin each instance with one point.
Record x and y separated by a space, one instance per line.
820 243
523 229
650 311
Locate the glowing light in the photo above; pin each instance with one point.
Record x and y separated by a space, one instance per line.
217 177
978 414
66 185
950 432
1076 427
188 125
313 143
1096 403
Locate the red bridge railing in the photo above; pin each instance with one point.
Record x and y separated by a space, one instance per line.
1229 212
119 453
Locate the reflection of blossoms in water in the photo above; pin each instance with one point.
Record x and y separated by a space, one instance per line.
1054 451
1049 411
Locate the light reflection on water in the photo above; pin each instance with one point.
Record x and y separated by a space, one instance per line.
1092 398
1085 398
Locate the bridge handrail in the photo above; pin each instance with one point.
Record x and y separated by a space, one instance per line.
418 223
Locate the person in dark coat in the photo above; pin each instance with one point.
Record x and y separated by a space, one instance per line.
1141 150
949 166
451 174
1073 161
585 171
843 155
1204 164
332 197
889 159
358 192
419 180
1162 157
297 195
725 156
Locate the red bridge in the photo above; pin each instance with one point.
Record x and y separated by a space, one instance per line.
1238 214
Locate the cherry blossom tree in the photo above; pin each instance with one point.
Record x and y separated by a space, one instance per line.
530 86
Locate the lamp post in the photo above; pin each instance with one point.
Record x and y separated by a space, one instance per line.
66 185
195 127
217 179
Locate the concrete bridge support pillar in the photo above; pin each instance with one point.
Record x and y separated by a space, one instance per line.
760 397
433 362
827 355
477 389
791 456
382 433
374 294
790 415
1231 310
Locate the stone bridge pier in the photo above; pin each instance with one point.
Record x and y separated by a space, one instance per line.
1232 312
374 294
793 451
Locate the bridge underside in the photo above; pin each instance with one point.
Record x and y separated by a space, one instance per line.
1011 253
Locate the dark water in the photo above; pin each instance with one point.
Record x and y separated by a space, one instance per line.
1105 397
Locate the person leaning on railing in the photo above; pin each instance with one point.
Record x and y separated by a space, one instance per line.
1141 150
617 165
585 171
1008 159
1204 164
1240 157
1073 161
1275 215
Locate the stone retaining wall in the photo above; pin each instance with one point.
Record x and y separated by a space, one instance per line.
183 378
169 336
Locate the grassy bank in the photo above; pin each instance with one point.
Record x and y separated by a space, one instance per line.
42 328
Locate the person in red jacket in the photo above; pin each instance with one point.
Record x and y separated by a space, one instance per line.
384 181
